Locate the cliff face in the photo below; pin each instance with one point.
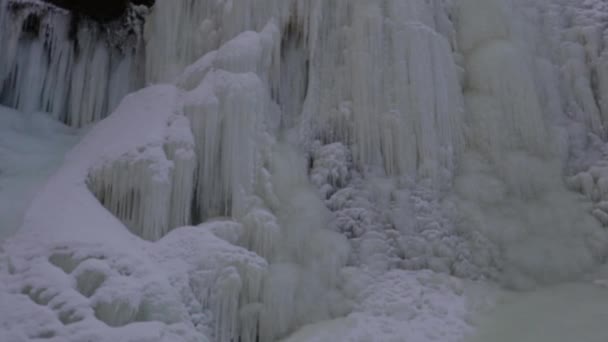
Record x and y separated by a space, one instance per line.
101 11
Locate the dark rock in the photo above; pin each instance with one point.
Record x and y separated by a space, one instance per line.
106 10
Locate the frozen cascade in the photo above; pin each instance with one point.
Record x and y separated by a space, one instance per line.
231 166
308 170
392 92
56 62
512 155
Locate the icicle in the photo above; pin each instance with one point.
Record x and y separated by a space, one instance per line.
249 318
78 73
390 88
602 76
179 147
262 232
227 114
228 287
137 189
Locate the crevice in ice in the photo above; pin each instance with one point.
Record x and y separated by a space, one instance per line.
68 317
88 281
31 26
46 334
116 312
65 261
295 70
40 296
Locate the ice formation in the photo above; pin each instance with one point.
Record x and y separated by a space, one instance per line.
305 170
57 62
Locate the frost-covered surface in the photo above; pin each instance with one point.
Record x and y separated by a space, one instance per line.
324 170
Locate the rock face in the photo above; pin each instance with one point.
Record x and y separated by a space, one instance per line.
98 10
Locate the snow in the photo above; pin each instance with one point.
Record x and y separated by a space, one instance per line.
312 171
398 306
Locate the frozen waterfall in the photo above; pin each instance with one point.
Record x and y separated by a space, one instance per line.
304 170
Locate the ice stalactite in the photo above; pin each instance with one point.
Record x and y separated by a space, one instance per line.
151 191
150 188
228 286
228 112
136 192
393 91
57 62
182 31
179 148
583 57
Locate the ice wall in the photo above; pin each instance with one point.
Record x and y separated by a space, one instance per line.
233 163
512 170
331 49
62 63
